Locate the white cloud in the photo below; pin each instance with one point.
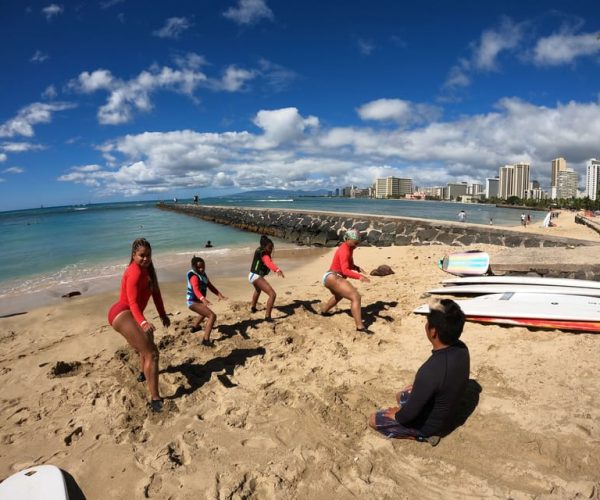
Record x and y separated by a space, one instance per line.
191 60
125 97
399 111
493 42
19 147
3 157
109 3
235 78
91 82
564 48
282 126
249 12
30 115
173 28
276 76
13 170
50 92
365 47
293 151
484 55
39 57
52 10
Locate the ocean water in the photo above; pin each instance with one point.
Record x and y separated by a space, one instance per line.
437 210
51 251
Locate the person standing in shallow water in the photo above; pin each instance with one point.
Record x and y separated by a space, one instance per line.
342 267
126 316
260 267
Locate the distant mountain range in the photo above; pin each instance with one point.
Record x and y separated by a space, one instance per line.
276 193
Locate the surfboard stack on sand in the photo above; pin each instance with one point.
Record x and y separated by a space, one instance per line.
550 303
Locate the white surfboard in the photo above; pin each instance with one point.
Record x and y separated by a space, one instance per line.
522 280
43 482
484 289
530 305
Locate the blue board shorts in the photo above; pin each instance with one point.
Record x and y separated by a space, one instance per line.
390 428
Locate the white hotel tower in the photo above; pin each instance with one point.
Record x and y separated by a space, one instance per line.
592 179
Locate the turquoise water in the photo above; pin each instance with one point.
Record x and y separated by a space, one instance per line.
44 248
438 210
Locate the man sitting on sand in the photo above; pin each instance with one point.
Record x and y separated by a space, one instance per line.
427 406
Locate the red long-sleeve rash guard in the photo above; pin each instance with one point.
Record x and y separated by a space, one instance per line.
343 263
195 282
266 259
136 292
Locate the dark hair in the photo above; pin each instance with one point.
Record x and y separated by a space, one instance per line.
447 318
264 241
196 260
144 243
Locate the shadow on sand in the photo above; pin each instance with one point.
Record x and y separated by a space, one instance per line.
198 374
466 406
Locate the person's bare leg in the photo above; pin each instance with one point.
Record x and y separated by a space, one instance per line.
255 297
144 345
264 286
205 312
342 288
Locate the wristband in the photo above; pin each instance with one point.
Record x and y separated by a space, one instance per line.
143 323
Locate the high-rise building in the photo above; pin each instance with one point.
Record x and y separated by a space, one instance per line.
521 179
514 180
392 187
592 179
505 184
567 182
491 187
558 165
475 189
456 190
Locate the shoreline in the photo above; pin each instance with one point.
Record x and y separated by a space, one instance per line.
170 267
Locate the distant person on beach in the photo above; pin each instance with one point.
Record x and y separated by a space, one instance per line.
335 281
528 219
523 220
261 266
426 408
462 216
208 244
127 315
491 221
197 286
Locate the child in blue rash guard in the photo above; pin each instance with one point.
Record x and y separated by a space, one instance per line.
197 286
426 408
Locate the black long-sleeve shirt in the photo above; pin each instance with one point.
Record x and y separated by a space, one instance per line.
438 387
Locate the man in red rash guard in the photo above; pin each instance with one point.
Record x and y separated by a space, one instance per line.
335 281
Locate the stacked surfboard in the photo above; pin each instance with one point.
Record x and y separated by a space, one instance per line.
550 303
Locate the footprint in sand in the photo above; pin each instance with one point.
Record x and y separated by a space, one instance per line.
74 436
259 443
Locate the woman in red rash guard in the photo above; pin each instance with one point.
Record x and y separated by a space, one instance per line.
126 316
198 285
261 266
335 281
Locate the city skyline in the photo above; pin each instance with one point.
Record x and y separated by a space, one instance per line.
239 95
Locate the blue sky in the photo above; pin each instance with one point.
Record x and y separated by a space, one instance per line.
105 100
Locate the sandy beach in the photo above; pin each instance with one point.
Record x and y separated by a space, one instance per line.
280 410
